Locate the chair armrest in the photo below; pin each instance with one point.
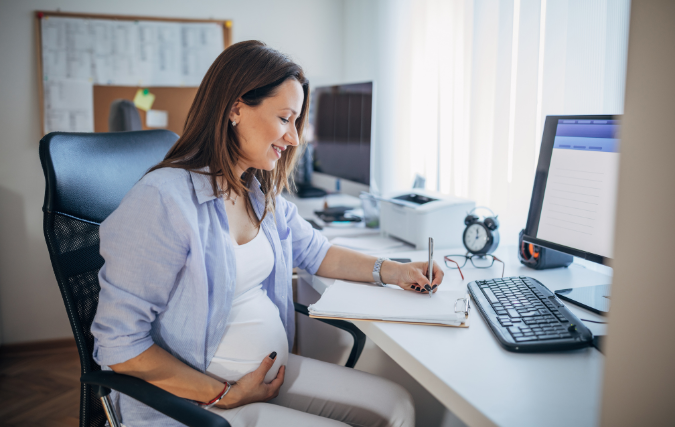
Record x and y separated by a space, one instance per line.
359 337
168 404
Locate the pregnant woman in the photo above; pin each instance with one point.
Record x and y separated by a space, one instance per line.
196 291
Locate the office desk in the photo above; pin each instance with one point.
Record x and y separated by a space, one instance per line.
473 376
306 208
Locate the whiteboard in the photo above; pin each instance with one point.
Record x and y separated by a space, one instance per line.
78 53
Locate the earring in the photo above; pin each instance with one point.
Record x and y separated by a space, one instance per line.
234 123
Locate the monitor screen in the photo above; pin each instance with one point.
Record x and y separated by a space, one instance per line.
574 198
341 120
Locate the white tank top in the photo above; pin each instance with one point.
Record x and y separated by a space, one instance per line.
254 328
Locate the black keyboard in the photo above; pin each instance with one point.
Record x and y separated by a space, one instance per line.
527 317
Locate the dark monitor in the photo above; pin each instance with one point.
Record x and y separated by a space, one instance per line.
574 197
341 118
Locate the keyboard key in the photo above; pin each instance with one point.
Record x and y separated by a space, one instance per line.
521 339
502 312
513 313
514 329
549 337
490 296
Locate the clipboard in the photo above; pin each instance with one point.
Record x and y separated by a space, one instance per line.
464 324
361 301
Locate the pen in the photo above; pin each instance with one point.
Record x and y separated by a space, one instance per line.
430 275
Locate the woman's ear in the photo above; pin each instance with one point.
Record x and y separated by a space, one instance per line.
235 111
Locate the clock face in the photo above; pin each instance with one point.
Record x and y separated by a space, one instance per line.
475 237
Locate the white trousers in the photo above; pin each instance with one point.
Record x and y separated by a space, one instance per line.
320 394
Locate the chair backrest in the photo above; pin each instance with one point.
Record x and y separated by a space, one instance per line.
87 175
123 116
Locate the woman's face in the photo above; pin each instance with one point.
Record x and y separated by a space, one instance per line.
266 130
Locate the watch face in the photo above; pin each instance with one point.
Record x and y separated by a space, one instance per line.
475 237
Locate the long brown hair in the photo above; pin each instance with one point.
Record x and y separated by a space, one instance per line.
249 71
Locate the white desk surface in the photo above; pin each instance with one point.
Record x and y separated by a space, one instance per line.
306 208
473 376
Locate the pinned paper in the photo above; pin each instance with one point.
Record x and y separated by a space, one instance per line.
144 99
157 119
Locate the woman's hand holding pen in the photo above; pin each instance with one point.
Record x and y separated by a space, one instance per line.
252 388
411 276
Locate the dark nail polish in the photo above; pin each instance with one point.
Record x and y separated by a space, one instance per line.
427 287
434 287
273 355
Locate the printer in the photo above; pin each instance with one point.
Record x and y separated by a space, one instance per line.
415 215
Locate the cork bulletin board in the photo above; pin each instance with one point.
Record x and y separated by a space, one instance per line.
88 61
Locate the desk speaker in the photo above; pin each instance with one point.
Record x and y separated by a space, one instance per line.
540 258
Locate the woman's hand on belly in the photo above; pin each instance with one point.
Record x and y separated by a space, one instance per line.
252 388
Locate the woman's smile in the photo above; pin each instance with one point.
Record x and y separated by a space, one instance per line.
277 150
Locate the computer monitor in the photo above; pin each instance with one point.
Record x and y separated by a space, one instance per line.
341 118
573 202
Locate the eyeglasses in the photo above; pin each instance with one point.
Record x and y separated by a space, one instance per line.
479 261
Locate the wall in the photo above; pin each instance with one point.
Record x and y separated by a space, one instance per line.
311 31
639 380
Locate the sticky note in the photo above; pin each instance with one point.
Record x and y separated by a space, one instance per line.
157 119
144 99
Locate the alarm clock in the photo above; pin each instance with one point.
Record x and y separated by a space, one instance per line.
481 236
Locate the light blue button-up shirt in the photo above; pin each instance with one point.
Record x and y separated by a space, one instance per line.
169 273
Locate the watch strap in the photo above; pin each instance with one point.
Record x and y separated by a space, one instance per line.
377 277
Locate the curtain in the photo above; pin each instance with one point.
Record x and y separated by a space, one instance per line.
467 84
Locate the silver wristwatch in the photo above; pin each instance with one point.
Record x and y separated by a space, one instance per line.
377 277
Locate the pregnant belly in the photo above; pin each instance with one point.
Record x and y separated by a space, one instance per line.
254 331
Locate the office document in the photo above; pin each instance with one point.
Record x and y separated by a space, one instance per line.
69 105
580 198
157 119
120 53
361 301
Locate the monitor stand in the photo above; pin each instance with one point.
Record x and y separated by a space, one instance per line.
593 298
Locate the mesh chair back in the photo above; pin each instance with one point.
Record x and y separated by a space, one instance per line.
87 175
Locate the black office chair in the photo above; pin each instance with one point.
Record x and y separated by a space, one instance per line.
87 175
123 116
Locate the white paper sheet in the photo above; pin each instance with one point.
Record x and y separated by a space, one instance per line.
69 105
157 119
129 53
